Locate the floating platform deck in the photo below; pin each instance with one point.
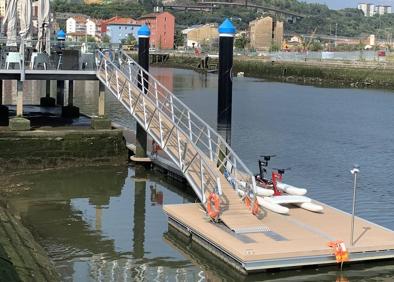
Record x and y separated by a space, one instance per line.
283 241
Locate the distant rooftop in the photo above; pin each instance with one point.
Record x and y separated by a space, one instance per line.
152 15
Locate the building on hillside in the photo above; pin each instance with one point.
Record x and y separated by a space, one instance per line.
382 9
93 28
77 36
118 28
2 7
76 24
264 33
201 35
162 27
119 31
367 9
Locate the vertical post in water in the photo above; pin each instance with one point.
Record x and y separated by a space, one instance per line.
19 123
225 89
47 101
101 100
143 61
70 111
60 93
140 152
354 171
3 109
139 213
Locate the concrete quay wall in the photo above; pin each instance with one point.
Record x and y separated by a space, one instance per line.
55 148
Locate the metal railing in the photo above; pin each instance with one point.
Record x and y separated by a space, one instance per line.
158 118
198 132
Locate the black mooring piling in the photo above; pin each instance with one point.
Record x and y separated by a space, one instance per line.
143 61
225 87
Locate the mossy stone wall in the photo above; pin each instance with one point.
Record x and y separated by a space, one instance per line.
60 148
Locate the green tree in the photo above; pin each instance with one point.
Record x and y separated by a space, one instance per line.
129 40
106 38
274 47
179 39
90 38
315 46
241 41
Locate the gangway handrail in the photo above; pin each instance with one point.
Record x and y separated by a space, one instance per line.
209 180
229 163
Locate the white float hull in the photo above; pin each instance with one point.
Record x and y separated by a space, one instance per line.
264 192
311 207
291 190
266 203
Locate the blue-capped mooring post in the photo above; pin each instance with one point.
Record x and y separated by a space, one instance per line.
143 61
225 89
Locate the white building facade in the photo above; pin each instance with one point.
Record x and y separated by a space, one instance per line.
369 10
93 28
76 25
382 9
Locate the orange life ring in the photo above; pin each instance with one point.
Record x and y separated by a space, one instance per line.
340 251
213 210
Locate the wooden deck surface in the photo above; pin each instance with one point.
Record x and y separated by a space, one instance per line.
298 235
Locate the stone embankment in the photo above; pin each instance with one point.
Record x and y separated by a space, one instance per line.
55 148
321 73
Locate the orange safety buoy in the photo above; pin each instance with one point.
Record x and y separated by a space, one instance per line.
213 206
255 208
340 251
247 201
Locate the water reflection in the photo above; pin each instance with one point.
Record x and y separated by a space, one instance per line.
102 223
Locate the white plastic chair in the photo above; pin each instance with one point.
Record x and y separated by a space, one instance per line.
40 59
13 58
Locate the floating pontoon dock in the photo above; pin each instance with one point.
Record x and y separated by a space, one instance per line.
296 240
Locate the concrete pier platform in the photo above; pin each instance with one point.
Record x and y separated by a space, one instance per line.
297 240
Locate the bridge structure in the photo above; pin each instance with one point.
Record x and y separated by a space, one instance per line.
248 242
212 5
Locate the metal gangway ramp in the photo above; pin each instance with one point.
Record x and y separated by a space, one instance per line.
206 160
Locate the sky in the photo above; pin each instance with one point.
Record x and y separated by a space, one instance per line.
340 4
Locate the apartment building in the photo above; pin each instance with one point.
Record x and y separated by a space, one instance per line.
162 27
